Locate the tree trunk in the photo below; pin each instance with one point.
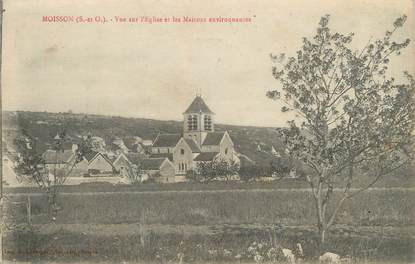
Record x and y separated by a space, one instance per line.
322 238
321 219
29 210
324 222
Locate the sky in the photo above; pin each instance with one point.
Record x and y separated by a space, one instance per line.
155 70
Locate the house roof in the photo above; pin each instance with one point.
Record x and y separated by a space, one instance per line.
206 156
135 158
213 138
90 155
192 144
57 157
104 156
166 140
162 155
152 163
198 106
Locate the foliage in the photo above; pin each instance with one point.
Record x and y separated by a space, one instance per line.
284 167
249 173
191 175
134 173
122 243
31 164
29 161
352 118
252 172
216 169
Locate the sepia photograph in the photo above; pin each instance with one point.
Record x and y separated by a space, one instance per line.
203 132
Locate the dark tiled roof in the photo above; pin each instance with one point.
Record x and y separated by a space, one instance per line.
198 106
206 156
90 155
152 163
52 157
213 138
105 157
167 140
162 155
135 158
192 144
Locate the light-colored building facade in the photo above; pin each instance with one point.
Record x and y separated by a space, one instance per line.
199 141
99 164
159 169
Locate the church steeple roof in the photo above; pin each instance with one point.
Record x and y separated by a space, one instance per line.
198 106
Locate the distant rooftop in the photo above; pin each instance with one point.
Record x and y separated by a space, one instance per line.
162 155
198 106
206 156
193 146
167 140
57 157
152 163
213 138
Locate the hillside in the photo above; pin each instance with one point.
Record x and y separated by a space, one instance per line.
255 142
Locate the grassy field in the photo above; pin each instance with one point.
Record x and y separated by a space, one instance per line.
265 206
119 224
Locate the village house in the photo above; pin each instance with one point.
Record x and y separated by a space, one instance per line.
158 169
125 162
59 159
121 164
62 162
99 164
199 141
171 155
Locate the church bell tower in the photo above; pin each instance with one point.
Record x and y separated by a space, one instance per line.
197 121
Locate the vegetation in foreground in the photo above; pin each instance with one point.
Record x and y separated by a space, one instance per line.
200 244
353 118
375 207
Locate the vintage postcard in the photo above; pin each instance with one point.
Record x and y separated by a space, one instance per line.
187 131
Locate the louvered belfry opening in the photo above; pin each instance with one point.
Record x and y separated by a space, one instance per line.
192 123
208 122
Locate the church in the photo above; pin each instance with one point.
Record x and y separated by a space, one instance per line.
199 141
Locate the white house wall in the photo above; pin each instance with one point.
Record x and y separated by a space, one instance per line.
186 158
101 164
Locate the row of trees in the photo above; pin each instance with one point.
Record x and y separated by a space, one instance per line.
227 171
213 170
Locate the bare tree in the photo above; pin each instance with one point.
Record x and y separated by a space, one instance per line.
31 164
353 119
